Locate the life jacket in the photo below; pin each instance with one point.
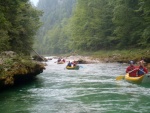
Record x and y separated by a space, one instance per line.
69 64
141 71
131 68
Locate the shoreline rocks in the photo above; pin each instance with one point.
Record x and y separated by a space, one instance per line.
16 69
90 59
82 59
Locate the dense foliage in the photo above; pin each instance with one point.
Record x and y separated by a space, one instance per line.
110 24
19 21
52 36
93 25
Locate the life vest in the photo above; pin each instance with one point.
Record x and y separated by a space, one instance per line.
141 71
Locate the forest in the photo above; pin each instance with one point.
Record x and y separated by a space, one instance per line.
63 26
93 25
19 22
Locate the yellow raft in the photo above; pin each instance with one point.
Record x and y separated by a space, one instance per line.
134 79
61 62
72 68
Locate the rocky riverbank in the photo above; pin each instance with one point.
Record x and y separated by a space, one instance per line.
114 58
83 59
16 69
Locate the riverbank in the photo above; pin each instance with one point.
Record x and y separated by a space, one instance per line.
16 69
120 56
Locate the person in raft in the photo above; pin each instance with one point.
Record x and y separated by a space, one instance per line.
141 69
59 59
132 70
63 60
74 63
69 64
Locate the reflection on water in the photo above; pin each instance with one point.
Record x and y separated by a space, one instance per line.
91 89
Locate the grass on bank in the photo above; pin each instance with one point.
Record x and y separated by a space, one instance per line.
113 55
119 55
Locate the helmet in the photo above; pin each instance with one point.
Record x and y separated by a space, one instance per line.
131 62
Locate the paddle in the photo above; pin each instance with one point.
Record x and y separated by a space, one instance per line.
122 76
142 71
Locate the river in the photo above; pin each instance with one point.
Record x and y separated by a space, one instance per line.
91 89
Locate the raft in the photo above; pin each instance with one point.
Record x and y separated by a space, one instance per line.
134 79
72 68
60 62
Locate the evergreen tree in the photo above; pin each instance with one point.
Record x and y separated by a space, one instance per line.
20 22
52 38
91 25
144 9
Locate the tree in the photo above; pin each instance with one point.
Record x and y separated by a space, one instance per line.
91 25
144 9
20 23
129 23
52 38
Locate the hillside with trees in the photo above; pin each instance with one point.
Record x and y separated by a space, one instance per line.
52 37
93 25
19 22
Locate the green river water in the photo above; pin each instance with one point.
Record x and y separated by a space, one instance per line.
91 89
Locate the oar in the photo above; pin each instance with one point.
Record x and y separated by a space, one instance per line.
122 76
142 71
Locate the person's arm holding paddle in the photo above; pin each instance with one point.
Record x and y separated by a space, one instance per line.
132 70
122 76
141 69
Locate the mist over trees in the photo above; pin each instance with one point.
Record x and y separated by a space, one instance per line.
52 37
19 22
92 25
